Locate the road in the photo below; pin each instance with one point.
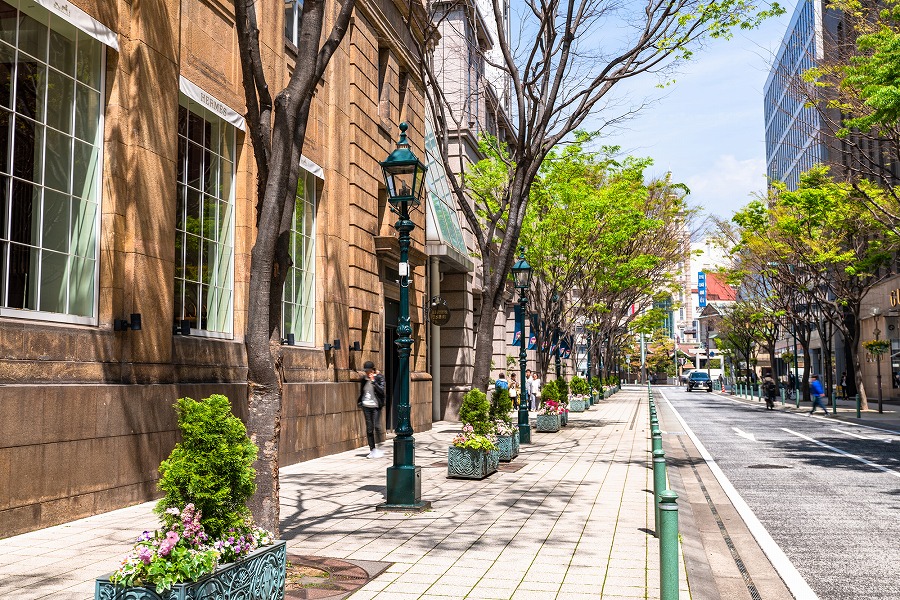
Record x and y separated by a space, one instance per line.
827 492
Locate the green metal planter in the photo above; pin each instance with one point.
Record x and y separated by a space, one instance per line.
509 447
259 576
577 404
548 423
464 463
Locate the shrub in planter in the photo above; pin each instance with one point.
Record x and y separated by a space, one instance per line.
207 478
475 410
473 455
579 387
501 404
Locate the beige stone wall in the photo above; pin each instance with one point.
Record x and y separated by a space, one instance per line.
85 411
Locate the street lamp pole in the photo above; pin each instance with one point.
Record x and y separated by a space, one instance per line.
590 387
404 176
875 315
522 279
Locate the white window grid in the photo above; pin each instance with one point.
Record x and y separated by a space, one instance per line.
298 309
204 223
66 128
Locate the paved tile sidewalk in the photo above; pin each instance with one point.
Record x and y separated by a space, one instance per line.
573 522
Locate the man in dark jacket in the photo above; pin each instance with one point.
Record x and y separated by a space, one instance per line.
371 400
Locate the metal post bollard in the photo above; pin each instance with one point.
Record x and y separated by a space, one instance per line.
858 406
668 545
833 402
659 485
782 396
797 396
656 439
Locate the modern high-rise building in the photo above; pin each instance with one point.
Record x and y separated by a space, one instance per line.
796 137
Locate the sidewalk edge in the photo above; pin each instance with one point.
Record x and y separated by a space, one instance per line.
782 564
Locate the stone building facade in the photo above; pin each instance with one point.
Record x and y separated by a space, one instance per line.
127 187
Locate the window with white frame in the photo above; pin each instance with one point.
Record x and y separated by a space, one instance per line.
299 299
51 77
204 222
293 15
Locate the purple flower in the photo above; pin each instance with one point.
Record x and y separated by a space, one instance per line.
145 554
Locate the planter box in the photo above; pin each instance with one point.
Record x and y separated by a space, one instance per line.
509 447
577 405
564 418
471 464
548 423
259 576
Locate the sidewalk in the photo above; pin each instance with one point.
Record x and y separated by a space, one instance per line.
571 517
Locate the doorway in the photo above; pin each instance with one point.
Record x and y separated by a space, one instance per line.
391 361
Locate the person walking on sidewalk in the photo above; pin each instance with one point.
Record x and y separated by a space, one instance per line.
770 388
514 391
817 393
844 385
371 401
526 388
535 391
501 383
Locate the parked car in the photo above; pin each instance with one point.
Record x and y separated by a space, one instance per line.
698 379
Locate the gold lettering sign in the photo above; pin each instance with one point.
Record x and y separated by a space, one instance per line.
895 297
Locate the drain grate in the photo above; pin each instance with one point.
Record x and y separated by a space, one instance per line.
510 467
768 467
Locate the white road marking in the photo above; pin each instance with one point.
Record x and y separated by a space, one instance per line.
788 572
862 437
843 453
744 434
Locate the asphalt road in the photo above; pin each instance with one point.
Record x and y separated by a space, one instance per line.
827 492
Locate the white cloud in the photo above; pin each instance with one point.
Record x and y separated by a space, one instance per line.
728 185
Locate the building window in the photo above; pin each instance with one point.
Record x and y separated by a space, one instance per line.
384 89
298 310
51 127
293 15
204 222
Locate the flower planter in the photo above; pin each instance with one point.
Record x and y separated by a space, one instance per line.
564 418
471 464
548 423
577 405
508 447
259 576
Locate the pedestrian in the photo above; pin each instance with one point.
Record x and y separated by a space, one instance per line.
371 401
514 390
526 387
535 391
818 394
501 383
770 388
844 385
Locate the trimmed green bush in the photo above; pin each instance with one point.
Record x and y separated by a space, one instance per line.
579 386
211 467
501 405
475 411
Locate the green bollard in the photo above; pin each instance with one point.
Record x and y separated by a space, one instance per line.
659 485
833 402
858 406
668 545
797 396
656 438
782 396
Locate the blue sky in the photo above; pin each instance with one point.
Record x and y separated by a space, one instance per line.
707 128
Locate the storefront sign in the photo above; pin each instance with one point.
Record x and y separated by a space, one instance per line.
895 297
438 311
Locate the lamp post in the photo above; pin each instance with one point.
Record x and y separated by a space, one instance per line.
404 177
877 332
522 277
588 369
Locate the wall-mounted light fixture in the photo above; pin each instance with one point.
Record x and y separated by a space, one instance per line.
356 347
123 325
335 346
289 340
181 328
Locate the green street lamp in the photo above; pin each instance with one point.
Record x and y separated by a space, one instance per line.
588 367
521 271
404 177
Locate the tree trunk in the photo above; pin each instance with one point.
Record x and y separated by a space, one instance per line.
484 343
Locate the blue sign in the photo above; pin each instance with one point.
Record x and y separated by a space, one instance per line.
701 288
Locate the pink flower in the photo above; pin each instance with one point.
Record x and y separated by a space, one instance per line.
167 544
145 554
